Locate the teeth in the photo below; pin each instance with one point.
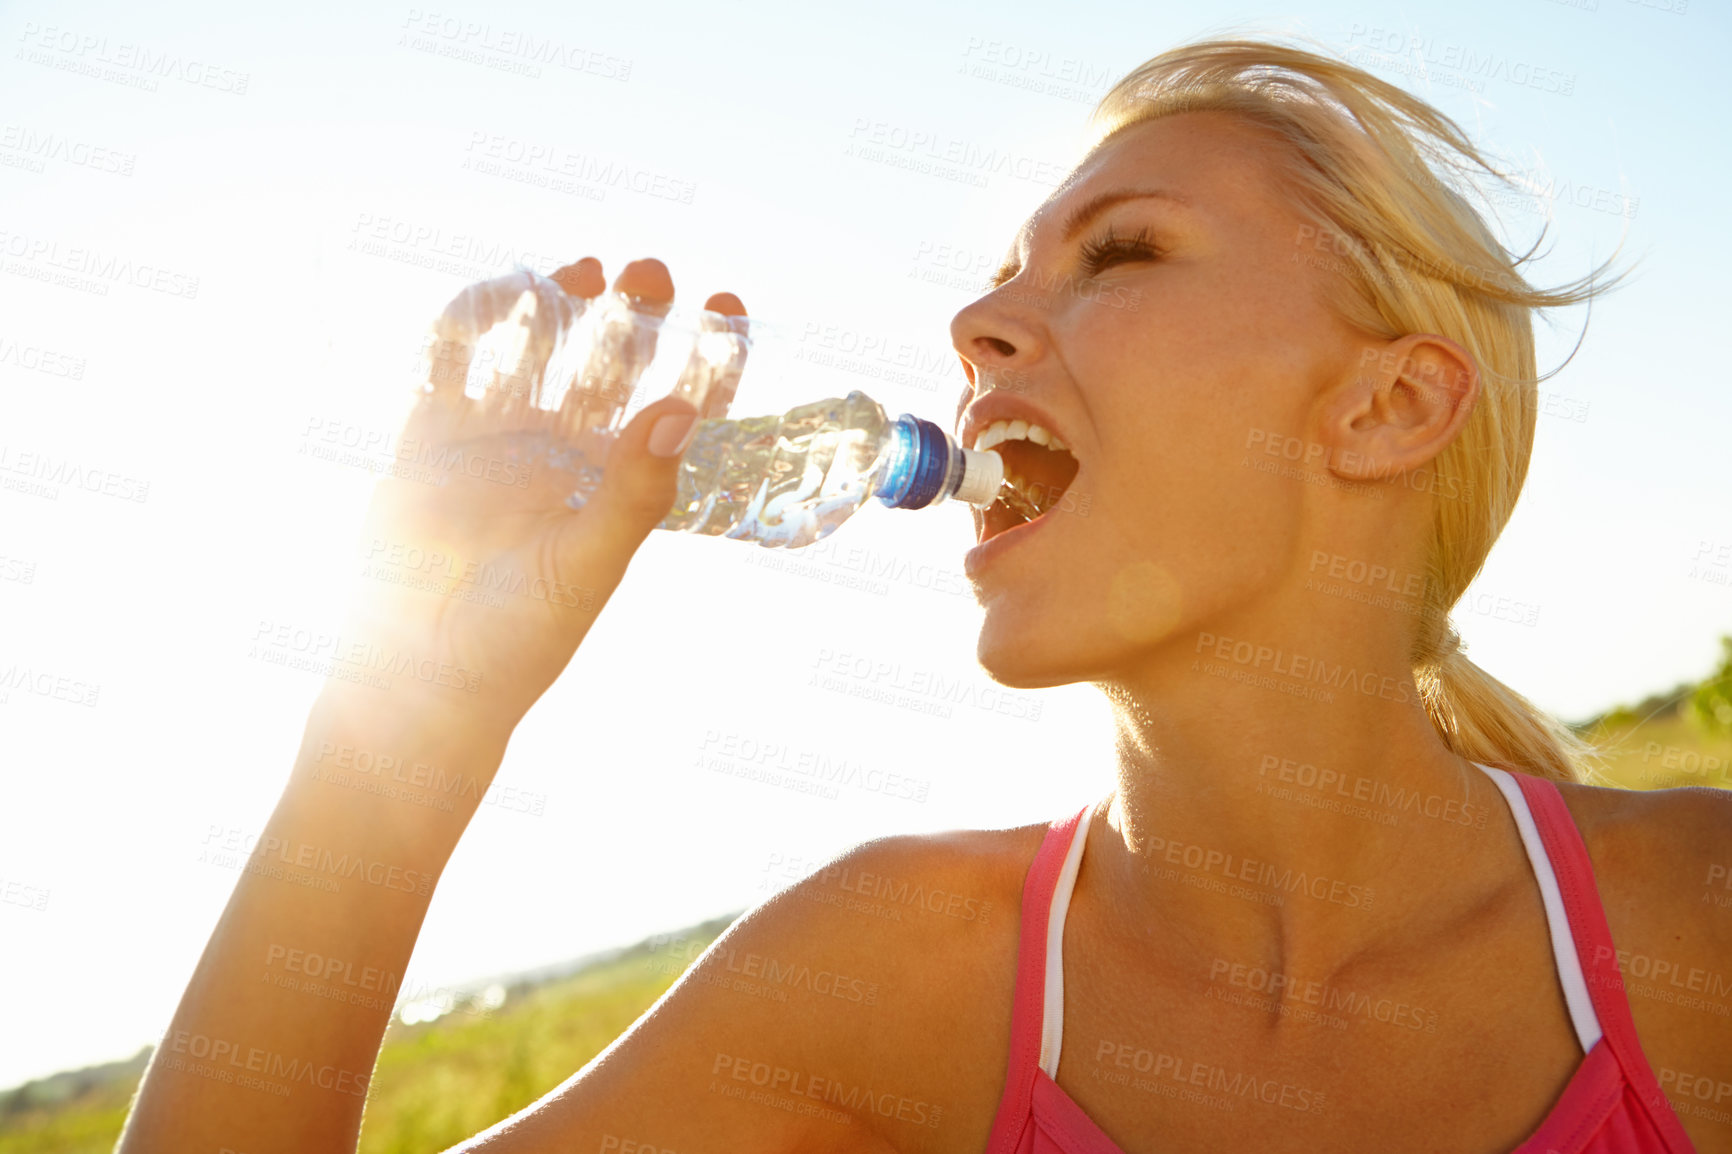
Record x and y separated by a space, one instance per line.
1001 431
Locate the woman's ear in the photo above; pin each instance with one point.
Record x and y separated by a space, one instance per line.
1403 404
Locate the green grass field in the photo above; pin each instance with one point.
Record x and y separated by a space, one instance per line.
436 1083
440 1082
1662 753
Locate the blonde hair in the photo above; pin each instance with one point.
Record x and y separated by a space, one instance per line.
1372 166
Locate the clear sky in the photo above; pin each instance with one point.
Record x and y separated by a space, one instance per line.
222 233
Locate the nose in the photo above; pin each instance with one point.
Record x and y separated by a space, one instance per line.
987 335
993 339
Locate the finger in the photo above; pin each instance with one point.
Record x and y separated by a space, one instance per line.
623 344
583 279
558 315
712 373
636 493
649 289
455 331
649 283
537 323
507 350
726 304
443 403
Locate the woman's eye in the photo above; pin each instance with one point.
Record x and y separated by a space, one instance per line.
1110 250
1095 262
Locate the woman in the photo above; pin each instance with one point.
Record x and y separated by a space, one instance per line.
1338 899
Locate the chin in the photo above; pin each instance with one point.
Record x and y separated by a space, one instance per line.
1016 660
1035 643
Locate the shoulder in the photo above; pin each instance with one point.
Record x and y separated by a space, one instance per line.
1663 848
907 910
968 876
893 903
1662 860
892 966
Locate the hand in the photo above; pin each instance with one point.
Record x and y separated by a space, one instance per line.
480 581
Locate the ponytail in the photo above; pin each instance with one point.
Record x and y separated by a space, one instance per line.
1482 719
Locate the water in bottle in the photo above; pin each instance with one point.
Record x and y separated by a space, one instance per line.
787 481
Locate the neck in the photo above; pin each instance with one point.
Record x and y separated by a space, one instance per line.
1284 800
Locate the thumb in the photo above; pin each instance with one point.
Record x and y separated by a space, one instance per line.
641 478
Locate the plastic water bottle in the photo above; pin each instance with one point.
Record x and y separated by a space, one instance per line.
788 481
564 368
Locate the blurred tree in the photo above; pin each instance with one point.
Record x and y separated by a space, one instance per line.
1711 704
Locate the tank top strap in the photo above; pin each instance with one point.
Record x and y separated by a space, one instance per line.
1597 955
1592 935
1028 1007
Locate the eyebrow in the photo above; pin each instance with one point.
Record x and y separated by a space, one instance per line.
1085 212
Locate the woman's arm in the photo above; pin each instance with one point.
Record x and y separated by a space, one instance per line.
340 879
338 875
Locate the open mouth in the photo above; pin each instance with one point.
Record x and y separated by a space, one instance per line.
1035 478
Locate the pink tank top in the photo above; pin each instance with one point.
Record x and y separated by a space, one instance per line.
1612 1104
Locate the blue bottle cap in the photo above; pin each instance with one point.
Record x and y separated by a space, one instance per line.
919 460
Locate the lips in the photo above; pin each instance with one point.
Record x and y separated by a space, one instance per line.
1000 530
996 519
